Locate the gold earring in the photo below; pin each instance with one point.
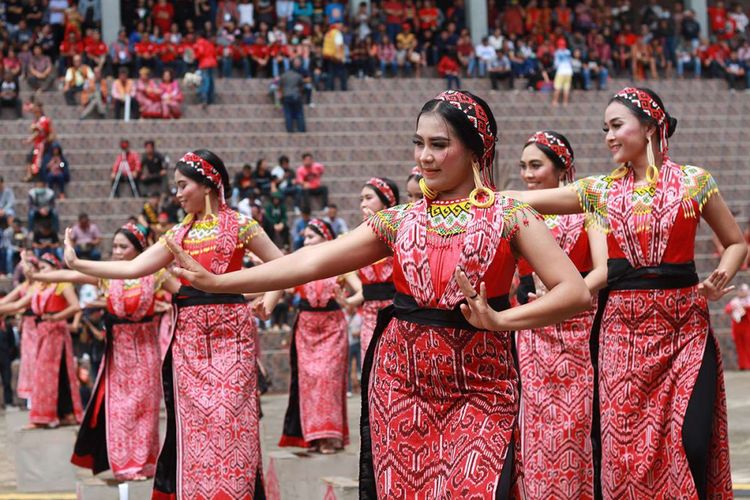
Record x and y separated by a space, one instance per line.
480 189
426 191
208 212
652 171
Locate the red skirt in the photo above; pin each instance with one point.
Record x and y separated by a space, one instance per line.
212 447
317 396
556 409
652 345
369 312
29 348
120 430
54 360
442 413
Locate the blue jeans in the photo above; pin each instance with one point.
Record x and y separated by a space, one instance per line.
696 62
206 90
354 354
452 79
471 67
293 112
275 67
384 65
8 257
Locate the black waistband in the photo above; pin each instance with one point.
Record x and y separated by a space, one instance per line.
28 312
406 309
304 305
111 319
623 276
378 291
188 296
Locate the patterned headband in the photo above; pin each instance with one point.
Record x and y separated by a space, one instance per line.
383 190
206 170
51 259
559 148
477 116
138 234
642 102
321 228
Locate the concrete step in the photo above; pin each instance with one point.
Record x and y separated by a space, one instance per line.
300 475
97 489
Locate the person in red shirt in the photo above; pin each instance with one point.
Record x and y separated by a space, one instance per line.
394 17
309 176
206 55
428 16
449 68
513 19
162 15
168 55
95 51
133 162
259 56
70 47
717 18
563 16
145 53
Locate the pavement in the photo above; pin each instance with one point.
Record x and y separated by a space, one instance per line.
274 406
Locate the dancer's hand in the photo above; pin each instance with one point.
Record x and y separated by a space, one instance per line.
476 310
260 308
714 287
188 268
69 253
367 213
540 288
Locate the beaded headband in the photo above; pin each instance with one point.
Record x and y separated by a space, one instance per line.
137 233
558 147
51 259
206 170
321 228
477 116
642 102
383 190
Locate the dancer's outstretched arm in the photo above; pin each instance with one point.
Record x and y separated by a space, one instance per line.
151 260
353 250
557 201
567 296
64 275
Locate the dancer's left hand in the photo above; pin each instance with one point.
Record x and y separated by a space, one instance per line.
476 310
714 287
190 269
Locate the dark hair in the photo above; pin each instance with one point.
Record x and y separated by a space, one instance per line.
671 123
283 159
549 153
305 155
214 161
131 238
327 225
149 142
394 188
459 122
259 163
83 215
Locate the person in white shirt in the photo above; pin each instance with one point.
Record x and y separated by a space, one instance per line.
496 39
246 13
485 54
563 73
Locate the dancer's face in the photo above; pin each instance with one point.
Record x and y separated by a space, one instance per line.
444 160
190 194
412 190
537 170
122 248
369 203
626 137
312 238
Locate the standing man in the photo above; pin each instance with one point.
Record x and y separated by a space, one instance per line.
309 176
153 169
291 83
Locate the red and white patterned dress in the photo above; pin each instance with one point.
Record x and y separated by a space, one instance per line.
377 280
655 337
440 399
29 347
212 447
558 387
120 430
50 398
319 355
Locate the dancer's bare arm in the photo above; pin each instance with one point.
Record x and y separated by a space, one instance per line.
557 201
353 250
151 260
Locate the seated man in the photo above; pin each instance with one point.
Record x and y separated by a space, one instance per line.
87 238
77 77
9 94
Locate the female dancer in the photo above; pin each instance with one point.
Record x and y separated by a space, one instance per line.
377 279
29 337
440 404
663 406
413 192
54 388
738 308
212 447
120 429
554 361
316 415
